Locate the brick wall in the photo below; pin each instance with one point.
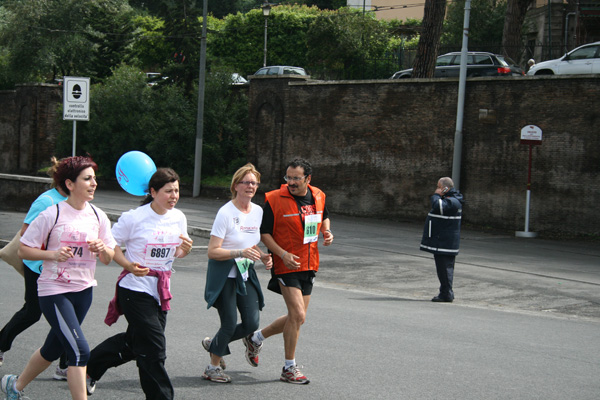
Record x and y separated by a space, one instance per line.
379 147
29 124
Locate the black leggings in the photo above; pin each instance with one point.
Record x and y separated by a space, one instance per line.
144 341
65 312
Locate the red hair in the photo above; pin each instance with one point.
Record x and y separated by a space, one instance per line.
70 168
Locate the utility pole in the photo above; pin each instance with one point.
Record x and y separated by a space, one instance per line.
460 109
200 115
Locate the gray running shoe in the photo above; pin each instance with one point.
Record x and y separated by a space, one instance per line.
60 374
293 375
216 375
206 344
252 350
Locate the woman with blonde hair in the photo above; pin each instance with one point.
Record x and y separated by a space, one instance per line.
231 281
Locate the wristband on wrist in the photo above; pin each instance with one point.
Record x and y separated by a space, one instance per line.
283 255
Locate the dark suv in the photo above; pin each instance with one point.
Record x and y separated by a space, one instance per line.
478 64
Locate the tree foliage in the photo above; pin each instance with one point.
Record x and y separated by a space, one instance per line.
127 114
44 39
486 20
340 43
512 42
239 40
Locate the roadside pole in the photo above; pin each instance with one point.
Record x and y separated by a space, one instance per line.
460 109
531 135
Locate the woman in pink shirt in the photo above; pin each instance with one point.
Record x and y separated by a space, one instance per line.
68 237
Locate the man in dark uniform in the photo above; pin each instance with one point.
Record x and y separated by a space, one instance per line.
441 235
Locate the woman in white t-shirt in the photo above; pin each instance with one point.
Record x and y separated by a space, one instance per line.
68 237
231 281
155 234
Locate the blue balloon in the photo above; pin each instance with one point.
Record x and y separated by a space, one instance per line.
134 170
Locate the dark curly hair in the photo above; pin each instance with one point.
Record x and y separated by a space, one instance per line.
70 168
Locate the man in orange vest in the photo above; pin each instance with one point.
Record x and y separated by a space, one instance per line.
293 217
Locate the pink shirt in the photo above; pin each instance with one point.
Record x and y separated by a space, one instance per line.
73 228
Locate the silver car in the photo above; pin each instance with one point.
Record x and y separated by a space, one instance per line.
583 60
280 70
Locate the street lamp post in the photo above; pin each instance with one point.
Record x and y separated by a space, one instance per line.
266 9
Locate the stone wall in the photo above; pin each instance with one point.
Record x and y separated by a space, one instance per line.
379 147
29 123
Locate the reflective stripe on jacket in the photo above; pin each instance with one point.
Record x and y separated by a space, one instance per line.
441 234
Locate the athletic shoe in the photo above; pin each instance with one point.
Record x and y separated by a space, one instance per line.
1 358
8 387
216 375
206 344
90 385
293 375
60 374
252 350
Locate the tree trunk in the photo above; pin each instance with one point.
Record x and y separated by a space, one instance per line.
512 44
427 51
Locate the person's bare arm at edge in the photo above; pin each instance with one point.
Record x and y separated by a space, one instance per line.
24 228
326 231
289 259
132 267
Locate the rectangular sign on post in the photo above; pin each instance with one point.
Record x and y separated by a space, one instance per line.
76 98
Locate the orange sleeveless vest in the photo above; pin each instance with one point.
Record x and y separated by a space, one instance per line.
288 231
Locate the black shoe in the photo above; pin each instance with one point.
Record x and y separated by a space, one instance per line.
439 299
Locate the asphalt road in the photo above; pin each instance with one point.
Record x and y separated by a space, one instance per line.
525 323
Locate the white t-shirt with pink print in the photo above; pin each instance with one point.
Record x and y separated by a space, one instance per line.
73 229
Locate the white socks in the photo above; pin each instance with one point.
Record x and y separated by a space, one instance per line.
258 337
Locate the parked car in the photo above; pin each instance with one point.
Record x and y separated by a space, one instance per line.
237 79
478 64
154 78
583 60
281 70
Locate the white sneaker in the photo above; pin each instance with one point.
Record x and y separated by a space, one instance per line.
206 344
216 375
252 350
60 374
90 385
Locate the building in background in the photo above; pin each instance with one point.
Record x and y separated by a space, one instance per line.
391 9
553 27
